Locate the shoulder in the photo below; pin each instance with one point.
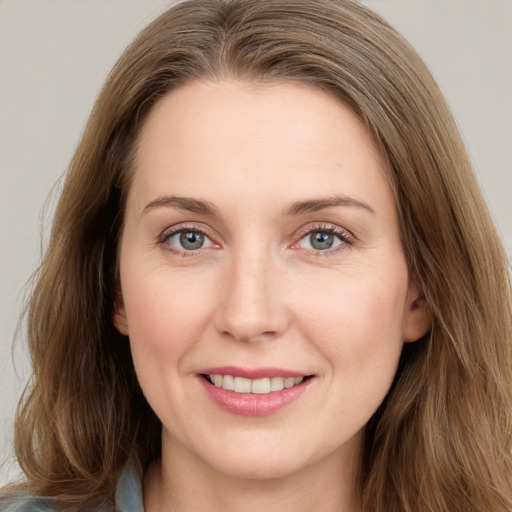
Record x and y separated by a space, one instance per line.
27 504
128 497
32 504
23 502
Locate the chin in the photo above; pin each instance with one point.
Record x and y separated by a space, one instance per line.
265 459
260 468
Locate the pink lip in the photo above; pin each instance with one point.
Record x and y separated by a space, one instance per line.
252 404
251 373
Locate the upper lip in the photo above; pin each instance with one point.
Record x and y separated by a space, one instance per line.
252 373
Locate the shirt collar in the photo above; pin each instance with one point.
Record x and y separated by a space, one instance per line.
129 491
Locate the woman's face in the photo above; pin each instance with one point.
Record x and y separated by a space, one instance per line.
261 250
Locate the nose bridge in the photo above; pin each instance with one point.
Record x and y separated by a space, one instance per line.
251 307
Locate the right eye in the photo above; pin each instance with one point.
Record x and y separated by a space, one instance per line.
188 240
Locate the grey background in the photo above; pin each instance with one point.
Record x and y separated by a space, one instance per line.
55 54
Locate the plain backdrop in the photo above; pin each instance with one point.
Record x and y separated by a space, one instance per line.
55 54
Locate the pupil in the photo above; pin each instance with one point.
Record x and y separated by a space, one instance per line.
321 240
191 240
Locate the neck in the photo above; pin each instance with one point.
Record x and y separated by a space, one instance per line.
179 482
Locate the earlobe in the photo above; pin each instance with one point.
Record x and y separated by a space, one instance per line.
417 315
119 314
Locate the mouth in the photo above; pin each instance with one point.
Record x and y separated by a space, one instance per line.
254 391
260 386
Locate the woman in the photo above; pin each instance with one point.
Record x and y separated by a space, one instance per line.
272 281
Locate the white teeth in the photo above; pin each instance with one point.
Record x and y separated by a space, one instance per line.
228 382
260 386
289 382
276 383
257 386
242 385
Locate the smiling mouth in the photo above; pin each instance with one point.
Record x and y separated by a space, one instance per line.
253 386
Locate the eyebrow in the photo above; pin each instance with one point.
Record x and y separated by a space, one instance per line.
313 205
183 203
298 208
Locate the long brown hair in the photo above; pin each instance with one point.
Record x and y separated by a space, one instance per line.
442 440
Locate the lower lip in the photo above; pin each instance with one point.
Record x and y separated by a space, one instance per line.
253 404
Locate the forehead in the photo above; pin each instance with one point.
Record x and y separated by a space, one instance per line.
276 139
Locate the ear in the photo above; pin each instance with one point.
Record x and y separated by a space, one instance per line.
119 312
417 315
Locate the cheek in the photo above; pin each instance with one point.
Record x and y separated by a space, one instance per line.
355 320
356 327
167 311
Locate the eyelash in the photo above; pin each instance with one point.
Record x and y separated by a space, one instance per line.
345 237
168 234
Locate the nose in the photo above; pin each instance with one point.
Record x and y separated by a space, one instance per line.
251 305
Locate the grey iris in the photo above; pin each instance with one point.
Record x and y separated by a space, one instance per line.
321 240
191 240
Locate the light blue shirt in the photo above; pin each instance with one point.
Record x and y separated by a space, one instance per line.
128 498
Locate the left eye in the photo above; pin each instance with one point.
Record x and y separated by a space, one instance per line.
189 240
320 240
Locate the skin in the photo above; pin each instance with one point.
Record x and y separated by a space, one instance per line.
258 294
